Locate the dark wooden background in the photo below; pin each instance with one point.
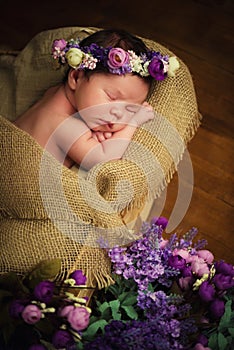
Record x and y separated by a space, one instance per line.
201 33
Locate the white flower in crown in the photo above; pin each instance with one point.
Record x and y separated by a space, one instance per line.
89 62
74 57
173 66
145 71
135 62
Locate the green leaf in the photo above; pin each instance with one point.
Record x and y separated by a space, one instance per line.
231 331
11 282
226 318
130 300
222 341
102 307
130 311
94 328
45 270
115 304
213 341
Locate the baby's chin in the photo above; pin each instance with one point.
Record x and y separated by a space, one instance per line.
109 127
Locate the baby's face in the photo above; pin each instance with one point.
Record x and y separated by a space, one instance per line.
107 102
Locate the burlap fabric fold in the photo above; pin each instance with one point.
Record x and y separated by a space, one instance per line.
43 216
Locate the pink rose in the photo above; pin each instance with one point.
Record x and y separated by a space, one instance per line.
182 252
31 314
206 255
63 312
78 318
59 44
117 58
199 267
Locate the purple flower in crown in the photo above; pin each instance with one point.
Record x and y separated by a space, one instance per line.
156 69
59 44
118 60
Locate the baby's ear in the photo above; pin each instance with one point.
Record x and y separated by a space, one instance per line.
73 76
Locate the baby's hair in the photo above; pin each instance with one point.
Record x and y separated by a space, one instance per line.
115 38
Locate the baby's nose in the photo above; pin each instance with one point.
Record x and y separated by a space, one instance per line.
117 112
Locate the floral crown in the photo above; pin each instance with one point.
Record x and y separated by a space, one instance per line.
115 60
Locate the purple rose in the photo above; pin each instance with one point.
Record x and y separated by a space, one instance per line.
31 314
117 58
177 262
16 308
37 347
217 308
186 271
44 291
156 69
224 268
62 339
206 291
159 221
79 277
78 318
200 346
59 44
223 282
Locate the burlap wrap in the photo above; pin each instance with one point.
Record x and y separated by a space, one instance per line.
41 221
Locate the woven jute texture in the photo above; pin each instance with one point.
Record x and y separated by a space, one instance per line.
49 211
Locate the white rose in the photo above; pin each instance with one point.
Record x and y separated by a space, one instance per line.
173 66
74 57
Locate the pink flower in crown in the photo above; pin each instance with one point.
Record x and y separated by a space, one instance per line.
117 58
59 44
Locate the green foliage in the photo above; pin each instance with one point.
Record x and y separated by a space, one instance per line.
116 302
222 337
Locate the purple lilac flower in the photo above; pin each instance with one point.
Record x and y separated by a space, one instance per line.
62 339
217 308
79 277
206 291
139 335
44 291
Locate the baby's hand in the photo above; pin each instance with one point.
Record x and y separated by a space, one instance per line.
101 136
144 114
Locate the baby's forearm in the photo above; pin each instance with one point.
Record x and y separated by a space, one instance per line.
109 149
